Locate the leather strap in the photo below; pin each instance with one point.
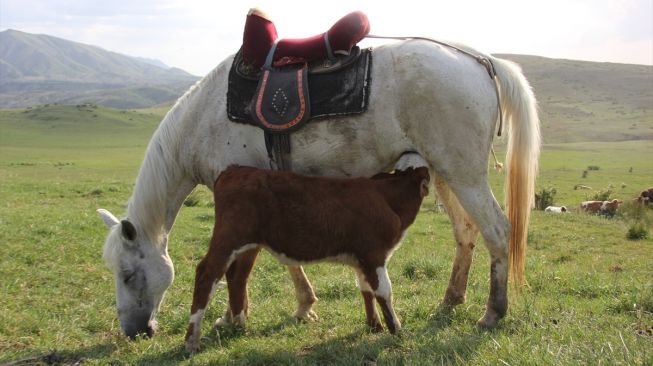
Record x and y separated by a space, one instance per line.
270 57
330 54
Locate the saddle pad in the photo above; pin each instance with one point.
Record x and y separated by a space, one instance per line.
339 93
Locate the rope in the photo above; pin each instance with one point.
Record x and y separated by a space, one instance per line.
484 61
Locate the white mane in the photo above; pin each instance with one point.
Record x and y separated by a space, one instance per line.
160 171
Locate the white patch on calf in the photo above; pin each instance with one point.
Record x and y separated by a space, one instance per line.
396 246
346 259
238 252
384 289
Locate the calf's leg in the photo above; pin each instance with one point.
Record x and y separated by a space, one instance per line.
377 277
237 276
368 298
209 271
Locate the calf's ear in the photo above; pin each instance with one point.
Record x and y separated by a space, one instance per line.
424 188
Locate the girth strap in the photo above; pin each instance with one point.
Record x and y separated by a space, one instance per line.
278 147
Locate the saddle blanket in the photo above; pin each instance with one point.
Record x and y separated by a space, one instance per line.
338 93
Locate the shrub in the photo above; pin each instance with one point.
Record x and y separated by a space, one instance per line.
544 198
601 195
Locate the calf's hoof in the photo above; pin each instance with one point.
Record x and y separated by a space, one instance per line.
192 344
375 327
395 329
222 322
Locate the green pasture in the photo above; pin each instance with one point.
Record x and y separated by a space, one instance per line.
589 300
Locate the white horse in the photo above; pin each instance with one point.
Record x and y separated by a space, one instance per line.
423 97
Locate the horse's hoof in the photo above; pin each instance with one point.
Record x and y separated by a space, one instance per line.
489 320
306 315
452 301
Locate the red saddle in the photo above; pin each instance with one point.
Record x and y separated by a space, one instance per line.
260 36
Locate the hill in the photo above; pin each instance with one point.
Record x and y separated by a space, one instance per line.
590 101
40 69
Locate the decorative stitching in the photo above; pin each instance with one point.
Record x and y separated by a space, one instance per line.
280 107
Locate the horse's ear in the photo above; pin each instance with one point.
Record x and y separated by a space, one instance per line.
107 217
128 230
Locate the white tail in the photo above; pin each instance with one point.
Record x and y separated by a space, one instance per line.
522 122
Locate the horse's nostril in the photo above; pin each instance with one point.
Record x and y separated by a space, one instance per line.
149 332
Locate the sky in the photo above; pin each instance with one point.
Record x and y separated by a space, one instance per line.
196 35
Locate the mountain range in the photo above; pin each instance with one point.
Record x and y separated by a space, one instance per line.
40 69
575 97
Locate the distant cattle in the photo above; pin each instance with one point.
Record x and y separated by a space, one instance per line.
591 206
602 207
645 196
556 209
610 206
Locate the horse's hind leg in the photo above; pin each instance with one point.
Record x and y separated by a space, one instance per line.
304 294
465 233
237 276
478 201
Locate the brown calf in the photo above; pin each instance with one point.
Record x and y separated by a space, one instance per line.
301 219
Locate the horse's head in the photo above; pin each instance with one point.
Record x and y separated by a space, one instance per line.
142 271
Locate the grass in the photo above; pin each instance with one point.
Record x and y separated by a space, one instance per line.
589 300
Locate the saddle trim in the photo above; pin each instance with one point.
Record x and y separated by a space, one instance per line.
302 103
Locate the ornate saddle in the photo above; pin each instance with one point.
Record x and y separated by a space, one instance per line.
261 46
279 85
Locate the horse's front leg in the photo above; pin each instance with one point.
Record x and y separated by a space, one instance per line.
465 233
304 294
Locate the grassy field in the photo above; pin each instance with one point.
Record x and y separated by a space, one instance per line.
590 299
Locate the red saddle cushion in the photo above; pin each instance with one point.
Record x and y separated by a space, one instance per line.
260 34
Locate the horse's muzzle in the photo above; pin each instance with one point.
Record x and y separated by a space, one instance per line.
146 329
